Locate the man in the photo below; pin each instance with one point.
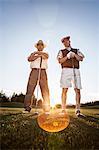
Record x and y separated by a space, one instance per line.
69 59
38 59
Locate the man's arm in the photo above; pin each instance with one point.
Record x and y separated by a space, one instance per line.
33 56
44 55
79 56
60 57
62 60
36 55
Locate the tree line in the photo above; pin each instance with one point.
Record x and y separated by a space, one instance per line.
20 98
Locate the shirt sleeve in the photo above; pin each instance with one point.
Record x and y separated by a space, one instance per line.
80 53
60 55
45 52
29 56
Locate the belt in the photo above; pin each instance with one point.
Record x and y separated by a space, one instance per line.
38 69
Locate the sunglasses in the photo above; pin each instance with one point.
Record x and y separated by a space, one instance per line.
40 44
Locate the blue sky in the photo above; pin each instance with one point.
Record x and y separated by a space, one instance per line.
24 22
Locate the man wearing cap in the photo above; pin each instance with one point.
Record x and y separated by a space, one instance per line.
69 59
38 59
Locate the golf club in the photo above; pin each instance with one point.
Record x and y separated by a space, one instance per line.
38 80
74 76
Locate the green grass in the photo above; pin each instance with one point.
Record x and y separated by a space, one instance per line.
11 104
91 107
21 132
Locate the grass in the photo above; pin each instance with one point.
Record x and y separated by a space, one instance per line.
21 132
11 104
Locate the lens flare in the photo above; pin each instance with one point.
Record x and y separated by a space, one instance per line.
55 121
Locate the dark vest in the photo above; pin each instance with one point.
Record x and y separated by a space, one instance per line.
69 63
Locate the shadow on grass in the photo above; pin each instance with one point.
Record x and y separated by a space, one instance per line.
90 118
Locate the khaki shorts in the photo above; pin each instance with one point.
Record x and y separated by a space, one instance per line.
68 79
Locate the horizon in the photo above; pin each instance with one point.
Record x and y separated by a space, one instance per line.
69 104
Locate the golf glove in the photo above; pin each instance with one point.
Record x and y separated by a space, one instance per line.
70 55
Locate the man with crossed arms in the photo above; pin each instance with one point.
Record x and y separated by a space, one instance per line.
35 61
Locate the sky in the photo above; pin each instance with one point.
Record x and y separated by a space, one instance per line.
24 22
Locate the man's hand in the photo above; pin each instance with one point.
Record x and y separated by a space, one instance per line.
79 58
70 55
62 60
33 56
44 55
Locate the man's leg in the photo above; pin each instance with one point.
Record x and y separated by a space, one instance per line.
30 89
64 97
45 90
78 97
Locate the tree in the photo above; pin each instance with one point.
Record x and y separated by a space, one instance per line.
3 97
18 98
14 97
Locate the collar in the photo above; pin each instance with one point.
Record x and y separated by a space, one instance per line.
68 48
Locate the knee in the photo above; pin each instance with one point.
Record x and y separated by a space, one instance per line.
77 91
64 91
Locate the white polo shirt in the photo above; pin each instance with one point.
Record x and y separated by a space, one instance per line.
36 63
